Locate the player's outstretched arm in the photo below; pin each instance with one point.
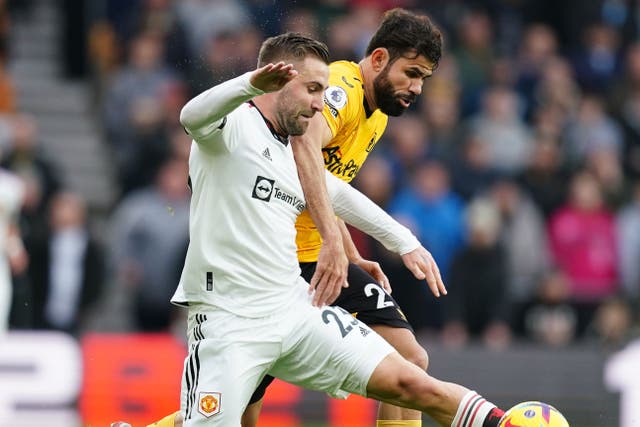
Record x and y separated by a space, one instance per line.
205 113
356 209
331 271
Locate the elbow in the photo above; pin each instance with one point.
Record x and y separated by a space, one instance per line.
186 118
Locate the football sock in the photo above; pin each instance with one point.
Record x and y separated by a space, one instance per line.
167 421
475 411
494 417
399 423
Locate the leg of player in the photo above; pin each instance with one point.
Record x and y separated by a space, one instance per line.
251 414
404 341
399 382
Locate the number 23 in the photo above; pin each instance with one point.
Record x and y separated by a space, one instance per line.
329 314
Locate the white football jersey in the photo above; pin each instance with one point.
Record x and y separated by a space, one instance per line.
244 204
246 196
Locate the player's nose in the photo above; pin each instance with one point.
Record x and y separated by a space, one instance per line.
416 86
317 103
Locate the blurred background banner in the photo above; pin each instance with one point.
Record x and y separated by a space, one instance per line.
518 168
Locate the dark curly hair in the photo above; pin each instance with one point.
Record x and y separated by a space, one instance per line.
290 46
406 34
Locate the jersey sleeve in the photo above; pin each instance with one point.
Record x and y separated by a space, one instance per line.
205 116
358 210
340 104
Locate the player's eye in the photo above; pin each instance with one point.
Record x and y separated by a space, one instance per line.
413 74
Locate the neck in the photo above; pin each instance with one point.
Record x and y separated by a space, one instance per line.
367 84
267 105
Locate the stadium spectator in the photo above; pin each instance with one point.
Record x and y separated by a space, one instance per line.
612 323
584 246
597 60
625 103
433 212
558 94
549 318
538 46
592 129
67 268
500 127
628 238
474 54
132 99
477 304
522 236
205 19
440 109
150 229
545 178
605 165
25 157
471 169
408 147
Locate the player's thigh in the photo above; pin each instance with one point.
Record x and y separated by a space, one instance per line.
223 368
330 351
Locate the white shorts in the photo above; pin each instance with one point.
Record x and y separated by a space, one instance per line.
320 349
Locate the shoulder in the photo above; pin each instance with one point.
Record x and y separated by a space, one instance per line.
345 92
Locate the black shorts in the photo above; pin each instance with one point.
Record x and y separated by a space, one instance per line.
365 299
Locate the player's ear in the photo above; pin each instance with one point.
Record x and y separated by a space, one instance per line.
379 58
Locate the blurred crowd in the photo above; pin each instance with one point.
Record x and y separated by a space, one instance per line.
519 167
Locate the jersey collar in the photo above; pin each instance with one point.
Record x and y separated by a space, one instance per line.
280 138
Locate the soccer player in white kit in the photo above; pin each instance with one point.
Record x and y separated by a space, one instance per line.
11 249
249 313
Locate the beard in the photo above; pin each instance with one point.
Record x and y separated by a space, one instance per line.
386 99
289 116
293 126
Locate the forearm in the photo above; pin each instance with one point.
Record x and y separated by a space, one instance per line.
350 248
311 172
204 113
357 210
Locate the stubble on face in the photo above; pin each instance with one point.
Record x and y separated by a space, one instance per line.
289 114
294 108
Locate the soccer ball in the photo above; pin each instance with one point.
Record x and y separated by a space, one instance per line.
533 414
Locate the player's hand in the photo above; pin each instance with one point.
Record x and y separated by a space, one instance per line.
273 77
424 267
374 269
331 273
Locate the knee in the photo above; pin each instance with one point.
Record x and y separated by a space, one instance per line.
418 356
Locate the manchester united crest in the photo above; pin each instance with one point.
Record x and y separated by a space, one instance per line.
209 403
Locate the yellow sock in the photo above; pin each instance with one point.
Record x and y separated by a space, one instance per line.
399 423
167 421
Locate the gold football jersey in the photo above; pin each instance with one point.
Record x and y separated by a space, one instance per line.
355 132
